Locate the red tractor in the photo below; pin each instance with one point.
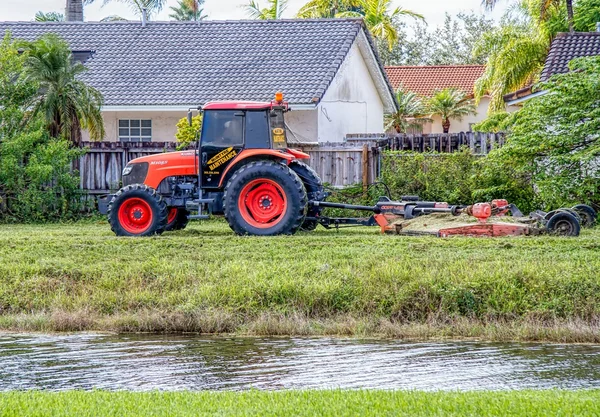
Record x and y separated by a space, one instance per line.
242 168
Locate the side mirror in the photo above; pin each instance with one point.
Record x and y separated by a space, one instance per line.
189 117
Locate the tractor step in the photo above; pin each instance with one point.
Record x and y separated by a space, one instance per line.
195 204
198 217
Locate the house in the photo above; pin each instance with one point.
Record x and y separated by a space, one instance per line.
565 47
151 73
426 80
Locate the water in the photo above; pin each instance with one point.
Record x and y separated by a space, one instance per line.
145 362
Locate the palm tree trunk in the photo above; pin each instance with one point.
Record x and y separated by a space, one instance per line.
74 11
570 14
446 125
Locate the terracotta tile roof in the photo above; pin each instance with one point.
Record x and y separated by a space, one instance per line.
567 46
425 80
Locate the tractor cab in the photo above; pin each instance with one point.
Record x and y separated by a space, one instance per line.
229 128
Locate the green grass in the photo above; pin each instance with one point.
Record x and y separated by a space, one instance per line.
352 282
301 403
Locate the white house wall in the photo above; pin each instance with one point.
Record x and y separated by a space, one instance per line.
459 126
352 103
302 125
164 124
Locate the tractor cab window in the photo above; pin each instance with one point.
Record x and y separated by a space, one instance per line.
278 128
222 128
257 130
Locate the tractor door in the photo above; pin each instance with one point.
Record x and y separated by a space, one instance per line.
221 141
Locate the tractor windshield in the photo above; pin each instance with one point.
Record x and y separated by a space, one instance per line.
278 128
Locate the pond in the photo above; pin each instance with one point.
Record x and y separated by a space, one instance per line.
147 362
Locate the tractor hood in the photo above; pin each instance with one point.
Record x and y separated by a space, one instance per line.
170 164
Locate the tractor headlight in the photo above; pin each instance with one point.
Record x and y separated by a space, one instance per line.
127 170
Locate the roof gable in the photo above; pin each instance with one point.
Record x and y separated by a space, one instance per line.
191 63
568 46
425 80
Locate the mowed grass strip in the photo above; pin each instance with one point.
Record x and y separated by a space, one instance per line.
81 277
301 403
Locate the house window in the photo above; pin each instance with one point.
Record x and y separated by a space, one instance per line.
135 130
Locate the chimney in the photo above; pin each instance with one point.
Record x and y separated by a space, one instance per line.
144 16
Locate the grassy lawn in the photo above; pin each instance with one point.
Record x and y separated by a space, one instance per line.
301 403
352 282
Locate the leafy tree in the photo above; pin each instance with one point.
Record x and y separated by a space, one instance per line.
187 134
274 11
188 10
545 7
555 138
380 20
49 17
450 103
410 114
65 103
451 43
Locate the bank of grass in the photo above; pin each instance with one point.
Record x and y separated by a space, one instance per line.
301 403
68 277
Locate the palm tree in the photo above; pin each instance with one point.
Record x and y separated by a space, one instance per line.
544 7
188 10
316 9
450 103
379 20
516 56
49 17
410 114
65 103
274 11
74 10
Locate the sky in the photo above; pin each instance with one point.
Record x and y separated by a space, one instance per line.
433 10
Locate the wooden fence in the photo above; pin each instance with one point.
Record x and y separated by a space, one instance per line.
357 160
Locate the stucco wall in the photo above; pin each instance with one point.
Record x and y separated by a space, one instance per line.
163 124
352 103
303 125
455 125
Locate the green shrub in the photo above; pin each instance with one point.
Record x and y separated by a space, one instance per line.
36 179
187 134
457 178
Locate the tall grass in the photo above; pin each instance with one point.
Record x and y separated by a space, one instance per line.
301 403
356 281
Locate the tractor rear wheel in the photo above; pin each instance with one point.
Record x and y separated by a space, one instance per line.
314 192
264 198
137 210
177 219
563 223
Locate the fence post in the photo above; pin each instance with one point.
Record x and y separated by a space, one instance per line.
365 167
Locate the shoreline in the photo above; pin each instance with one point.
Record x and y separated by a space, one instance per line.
222 324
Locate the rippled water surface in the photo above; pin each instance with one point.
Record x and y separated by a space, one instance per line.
86 361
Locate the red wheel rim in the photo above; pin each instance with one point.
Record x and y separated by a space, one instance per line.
262 203
172 215
135 215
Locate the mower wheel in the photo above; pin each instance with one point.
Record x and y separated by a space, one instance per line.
314 192
264 198
563 223
137 210
587 214
177 219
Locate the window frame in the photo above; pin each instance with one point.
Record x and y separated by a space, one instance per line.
140 126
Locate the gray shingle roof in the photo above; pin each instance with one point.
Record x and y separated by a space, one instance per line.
567 46
189 63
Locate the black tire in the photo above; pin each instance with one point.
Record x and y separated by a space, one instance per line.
314 192
288 182
179 222
563 223
157 209
587 215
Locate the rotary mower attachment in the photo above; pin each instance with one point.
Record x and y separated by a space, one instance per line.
443 220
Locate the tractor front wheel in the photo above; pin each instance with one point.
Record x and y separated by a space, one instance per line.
264 198
177 219
137 210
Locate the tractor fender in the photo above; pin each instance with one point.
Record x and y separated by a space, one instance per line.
248 155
